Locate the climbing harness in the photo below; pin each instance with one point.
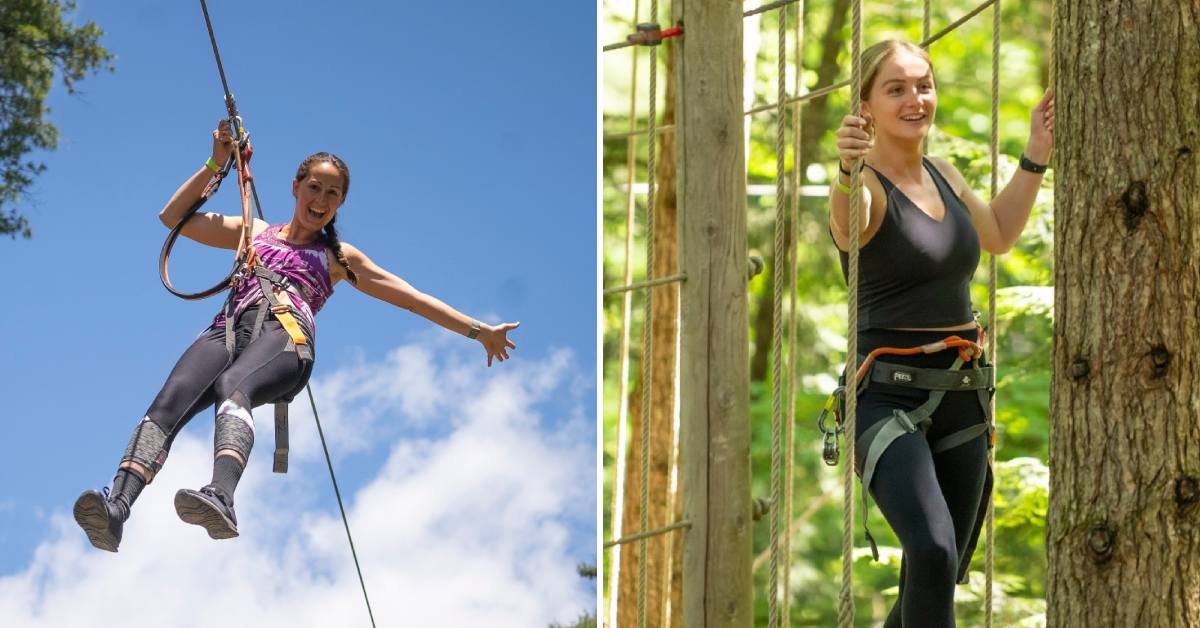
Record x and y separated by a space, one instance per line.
869 447
276 290
246 267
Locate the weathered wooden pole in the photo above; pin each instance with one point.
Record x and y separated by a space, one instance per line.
714 359
1123 529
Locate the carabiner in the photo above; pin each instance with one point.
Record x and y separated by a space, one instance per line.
830 451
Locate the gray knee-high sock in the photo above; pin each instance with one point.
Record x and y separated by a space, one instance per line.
227 472
126 487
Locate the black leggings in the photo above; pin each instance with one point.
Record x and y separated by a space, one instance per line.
262 371
930 500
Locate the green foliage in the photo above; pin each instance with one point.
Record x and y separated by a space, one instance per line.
36 40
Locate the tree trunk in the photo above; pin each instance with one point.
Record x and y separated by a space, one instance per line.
664 331
1124 515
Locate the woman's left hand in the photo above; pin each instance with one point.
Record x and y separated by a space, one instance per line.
495 340
1041 129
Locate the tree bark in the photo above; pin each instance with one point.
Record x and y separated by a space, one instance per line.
664 331
1124 515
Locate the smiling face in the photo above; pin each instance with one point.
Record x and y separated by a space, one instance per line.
319 193
902 98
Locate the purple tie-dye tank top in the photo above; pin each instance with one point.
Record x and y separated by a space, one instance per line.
305 265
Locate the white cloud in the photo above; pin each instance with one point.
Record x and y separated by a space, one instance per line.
472 519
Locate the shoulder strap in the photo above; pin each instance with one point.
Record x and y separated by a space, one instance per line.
888 186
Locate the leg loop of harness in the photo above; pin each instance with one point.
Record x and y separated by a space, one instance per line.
874 442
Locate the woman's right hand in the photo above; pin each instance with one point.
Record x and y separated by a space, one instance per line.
854 139
223 144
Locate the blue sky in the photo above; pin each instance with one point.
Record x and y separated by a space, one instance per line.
470 133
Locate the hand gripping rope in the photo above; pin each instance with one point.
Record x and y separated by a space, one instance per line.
246 268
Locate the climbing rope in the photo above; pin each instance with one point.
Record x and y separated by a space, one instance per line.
647 324
846 599
618 503
994 146
245 257
789 424
778 273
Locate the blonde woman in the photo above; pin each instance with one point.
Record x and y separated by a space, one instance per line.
922 228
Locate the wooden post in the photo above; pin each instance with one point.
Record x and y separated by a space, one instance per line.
714 376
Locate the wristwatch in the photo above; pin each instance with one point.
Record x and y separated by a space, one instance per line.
475 329
1032 166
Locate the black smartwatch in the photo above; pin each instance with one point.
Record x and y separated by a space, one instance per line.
1032 166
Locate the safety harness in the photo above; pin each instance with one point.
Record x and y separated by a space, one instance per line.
277 301
246 267
869 447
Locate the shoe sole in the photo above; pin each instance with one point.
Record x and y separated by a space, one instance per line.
199 511
91 514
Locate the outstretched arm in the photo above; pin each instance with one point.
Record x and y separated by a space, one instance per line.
383 285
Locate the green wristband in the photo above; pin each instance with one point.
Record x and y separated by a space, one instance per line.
843 187
212 165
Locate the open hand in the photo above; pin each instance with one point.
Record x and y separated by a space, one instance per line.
495 340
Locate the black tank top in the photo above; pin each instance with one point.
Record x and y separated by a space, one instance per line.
916 271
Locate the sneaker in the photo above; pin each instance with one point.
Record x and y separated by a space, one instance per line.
101 518
208 508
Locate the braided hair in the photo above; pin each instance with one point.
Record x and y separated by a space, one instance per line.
329 234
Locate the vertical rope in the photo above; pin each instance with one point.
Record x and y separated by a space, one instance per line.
789 418
778 273
995 154
846 600
618 505
925 15
926 12
647 324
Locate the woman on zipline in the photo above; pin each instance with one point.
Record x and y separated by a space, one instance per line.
921 231
265 365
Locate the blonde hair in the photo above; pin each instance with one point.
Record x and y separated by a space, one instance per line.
873 58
